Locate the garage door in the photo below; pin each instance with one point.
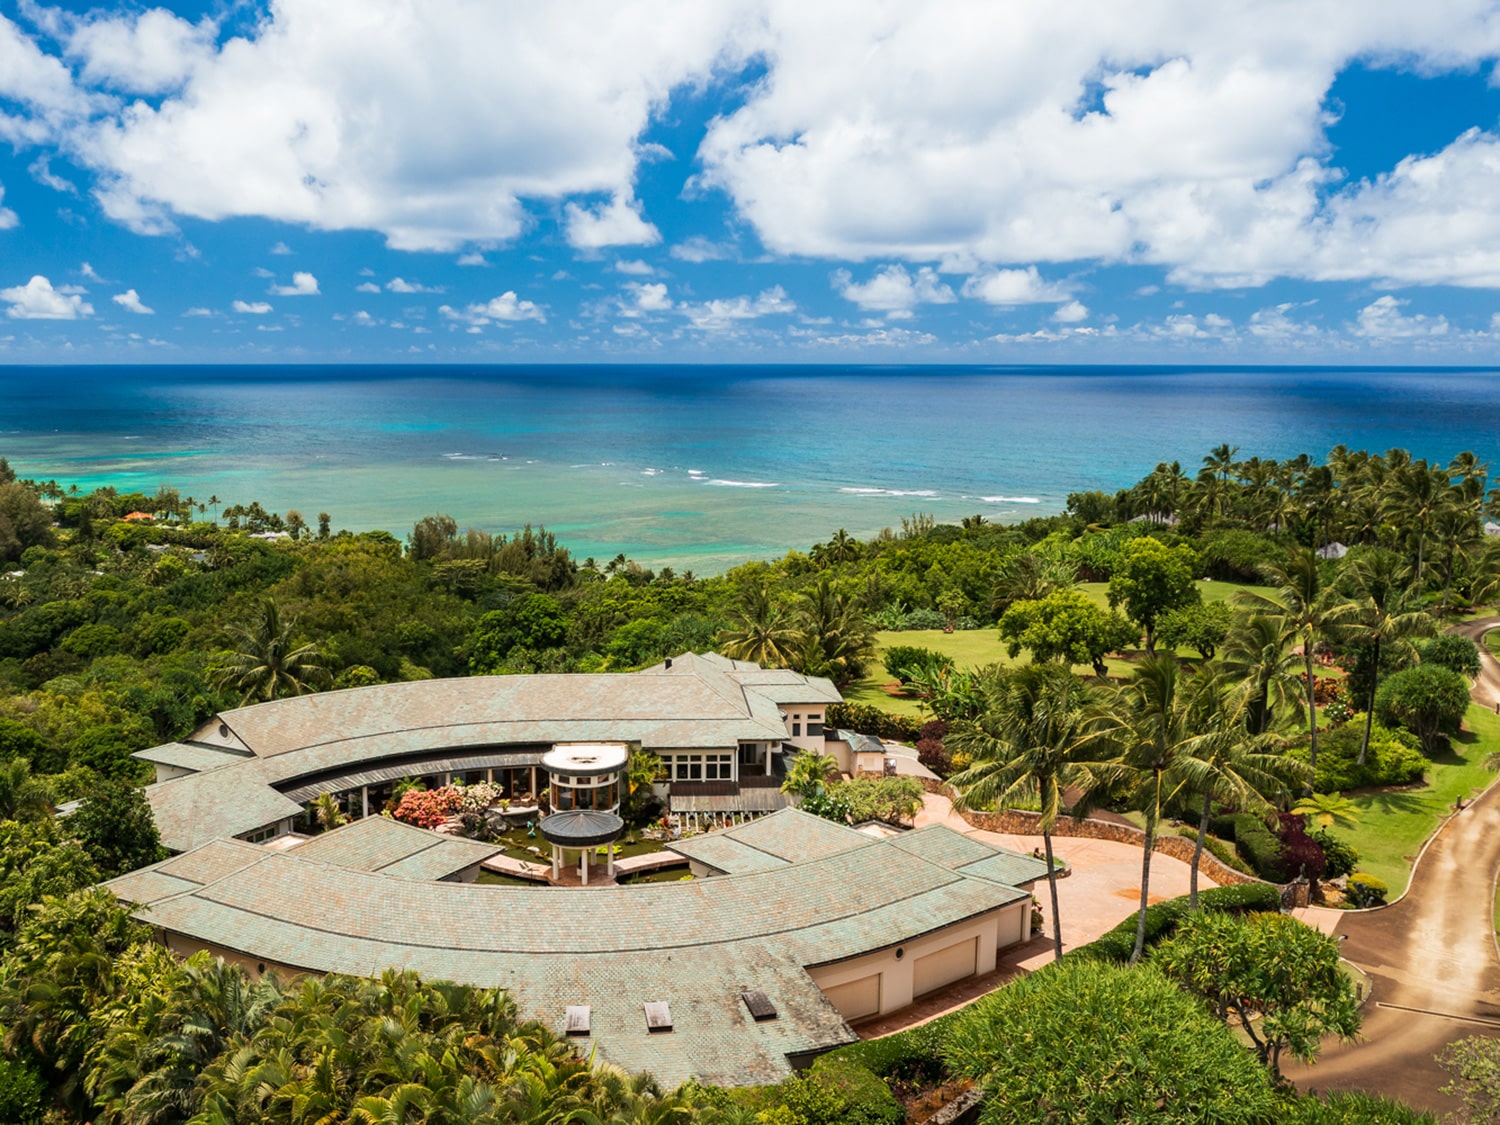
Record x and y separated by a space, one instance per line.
945 966
1013 924
858 998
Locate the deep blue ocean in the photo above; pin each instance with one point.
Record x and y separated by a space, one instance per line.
700 466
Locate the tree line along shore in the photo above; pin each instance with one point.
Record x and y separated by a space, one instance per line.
1236 650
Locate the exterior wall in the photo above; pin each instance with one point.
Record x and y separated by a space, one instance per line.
165 772
186 947
800 717
993 931
842 753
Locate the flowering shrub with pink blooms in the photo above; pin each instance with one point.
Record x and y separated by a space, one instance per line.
427 808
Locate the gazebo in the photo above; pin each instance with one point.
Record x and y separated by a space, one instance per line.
584 781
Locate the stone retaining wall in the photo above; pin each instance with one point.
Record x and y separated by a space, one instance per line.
1015 822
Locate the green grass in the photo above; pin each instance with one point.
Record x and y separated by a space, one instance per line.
974 648
1211 591
1492 642
1394 823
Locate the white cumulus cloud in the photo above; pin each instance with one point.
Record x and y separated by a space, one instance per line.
719 314
401 285
303 284
37 300
251 308
131 302
506 308
1382 319
1014 287
616 223
894 291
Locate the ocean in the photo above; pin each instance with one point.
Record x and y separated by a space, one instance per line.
700 467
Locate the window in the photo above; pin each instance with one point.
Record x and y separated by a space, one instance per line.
749 753
699 767
796 726
815 725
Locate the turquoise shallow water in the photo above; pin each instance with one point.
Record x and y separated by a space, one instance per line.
700 467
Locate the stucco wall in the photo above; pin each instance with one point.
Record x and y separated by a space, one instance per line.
995 930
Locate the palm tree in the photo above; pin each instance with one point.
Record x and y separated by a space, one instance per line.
1156 723
213 503
1033 741
809 773
22 796
759 630
836 640
1313 609
266 664
1388 614
1257 656
1242 771
1418 494
326 812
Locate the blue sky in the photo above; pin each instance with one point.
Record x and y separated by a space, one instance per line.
768 181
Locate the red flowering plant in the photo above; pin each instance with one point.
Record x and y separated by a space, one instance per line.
428 808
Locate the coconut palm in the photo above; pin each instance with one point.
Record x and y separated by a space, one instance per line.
1388 614
1036 738
836 639
1242 771
1156 723
266 663
1313 609
759 630
1257 656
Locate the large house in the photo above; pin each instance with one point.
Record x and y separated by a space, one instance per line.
796 928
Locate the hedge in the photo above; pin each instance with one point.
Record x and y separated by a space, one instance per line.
865 719
913 1056
1162 918
1256 844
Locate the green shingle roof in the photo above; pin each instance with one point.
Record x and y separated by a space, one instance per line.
378 843
694 945
698 704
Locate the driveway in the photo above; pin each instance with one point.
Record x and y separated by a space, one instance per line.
1103 890
1431 956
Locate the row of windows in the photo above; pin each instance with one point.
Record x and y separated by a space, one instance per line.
814 725
699 767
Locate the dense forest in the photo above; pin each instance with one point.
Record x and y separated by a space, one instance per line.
128 619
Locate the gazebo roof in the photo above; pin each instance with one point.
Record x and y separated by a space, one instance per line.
582 828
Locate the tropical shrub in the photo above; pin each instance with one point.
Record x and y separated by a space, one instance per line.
891 800
904 662
1277 980
922 619
1366 890
865 719
1340 854
1428 700
1162 919
22 1093
1451 651
1393 758
1201 626
1047 1048
1300 854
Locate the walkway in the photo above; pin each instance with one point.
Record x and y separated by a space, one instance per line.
1431 956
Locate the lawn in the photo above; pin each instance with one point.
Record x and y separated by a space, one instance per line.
1394 823
974 648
